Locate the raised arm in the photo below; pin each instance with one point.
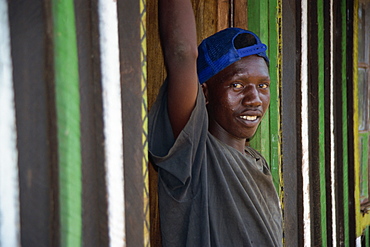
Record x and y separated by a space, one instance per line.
179 44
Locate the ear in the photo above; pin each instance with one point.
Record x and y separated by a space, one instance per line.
205 91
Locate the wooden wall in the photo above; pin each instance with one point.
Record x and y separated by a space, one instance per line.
74 167
79 85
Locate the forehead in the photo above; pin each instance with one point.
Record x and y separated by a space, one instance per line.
250 66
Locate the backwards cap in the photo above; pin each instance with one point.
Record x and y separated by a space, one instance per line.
218 51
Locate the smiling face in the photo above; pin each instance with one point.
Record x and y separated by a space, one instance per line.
237 98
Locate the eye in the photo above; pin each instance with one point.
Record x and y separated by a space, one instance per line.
264 85
237 86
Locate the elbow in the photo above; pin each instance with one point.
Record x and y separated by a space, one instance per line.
182 53
187 52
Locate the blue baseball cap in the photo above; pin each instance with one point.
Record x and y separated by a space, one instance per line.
218 51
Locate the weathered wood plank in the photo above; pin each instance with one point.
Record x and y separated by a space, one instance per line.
30 30
274 51
313 125
291 151
240 14
258 22
223 14
68 122
94 196
129 17
9 173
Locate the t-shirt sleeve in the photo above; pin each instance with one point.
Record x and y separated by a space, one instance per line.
178 160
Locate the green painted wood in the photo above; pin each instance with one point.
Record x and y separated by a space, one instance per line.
262 19
258 23
68 121
254 11
345 125
364 167
321 113
274 45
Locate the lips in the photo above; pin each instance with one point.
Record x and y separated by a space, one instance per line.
251 115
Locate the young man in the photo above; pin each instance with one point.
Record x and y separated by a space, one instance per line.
213 190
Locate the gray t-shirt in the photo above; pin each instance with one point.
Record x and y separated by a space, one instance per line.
210 194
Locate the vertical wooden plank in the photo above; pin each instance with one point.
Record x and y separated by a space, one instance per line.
274 53
304 126
132 16
263 16
112 114
156 70
332 120
364 169
345 188
258 18
350 60
321 121
258 22
355 121
68 121
318 239
156 74
240 14
31 49
223 14
338 119
290 104
207 17
9 182
94 196
328 117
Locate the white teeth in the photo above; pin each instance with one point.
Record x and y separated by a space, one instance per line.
250 118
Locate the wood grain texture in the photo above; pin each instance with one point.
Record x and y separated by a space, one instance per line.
94 196
129 21
31 49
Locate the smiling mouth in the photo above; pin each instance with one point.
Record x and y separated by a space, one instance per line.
249 118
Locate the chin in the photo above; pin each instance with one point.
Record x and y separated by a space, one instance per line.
250 136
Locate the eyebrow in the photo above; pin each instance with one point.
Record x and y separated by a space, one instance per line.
267 78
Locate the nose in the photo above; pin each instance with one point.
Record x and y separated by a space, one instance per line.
251 96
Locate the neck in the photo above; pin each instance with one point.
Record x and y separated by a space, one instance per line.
237 143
